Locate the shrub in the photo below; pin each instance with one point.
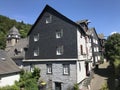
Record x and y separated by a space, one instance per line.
117 67
14 87
104 87
76 87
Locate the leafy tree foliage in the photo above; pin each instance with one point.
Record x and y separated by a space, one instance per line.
29 80
6 24
112 47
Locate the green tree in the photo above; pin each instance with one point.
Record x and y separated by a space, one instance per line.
6 24
112 47
29 80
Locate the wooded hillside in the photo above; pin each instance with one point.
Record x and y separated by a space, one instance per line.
6 24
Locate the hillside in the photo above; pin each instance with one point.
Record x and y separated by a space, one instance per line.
6 24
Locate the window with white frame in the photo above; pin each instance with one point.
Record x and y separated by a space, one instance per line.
36 37
66 69
36 51
59 33
49 68
32 67
49 19
60 50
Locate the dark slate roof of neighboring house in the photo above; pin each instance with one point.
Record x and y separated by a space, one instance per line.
7 66
14 31
20 52
50 9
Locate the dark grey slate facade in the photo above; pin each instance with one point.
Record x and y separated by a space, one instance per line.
95 46
42 50
47 42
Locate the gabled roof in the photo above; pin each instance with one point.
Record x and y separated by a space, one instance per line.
93 30
50 9
13 31
7 66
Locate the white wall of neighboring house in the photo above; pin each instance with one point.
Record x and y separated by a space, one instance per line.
9 80
81 41
81 72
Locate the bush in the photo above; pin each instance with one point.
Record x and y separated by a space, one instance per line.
76 87
14 87
117 67
104 87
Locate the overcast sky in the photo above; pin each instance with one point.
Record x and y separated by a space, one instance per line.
104 15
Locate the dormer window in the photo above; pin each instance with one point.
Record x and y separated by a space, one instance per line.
36 37
59 33
49 19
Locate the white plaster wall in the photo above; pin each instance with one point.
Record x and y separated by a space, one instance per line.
81 72
81 41
9 80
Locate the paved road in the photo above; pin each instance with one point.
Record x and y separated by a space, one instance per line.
101 76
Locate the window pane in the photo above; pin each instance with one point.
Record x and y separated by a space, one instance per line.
36 37
65 69
59 50
49 19
49 68
59 33
36 51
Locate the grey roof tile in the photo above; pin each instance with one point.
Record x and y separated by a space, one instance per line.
7 65
14 31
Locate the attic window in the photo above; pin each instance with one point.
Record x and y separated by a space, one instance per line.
36 37
59 33
49 19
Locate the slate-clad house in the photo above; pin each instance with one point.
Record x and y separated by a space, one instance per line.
9 71
96 45
57 46
102 43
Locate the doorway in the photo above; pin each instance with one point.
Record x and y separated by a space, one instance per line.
57 86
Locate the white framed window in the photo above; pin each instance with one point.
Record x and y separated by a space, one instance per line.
60 50
66 69
36 37
49 68
32 67
59 33
49 19
36 51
